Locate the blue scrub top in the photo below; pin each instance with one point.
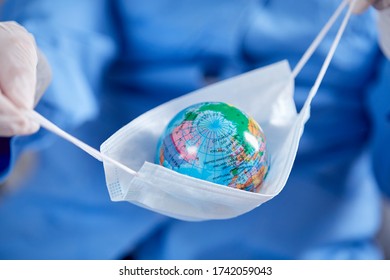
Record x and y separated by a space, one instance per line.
114 60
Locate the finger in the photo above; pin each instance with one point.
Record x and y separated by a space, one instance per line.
18 60
361 5
12 121
10 127
381 4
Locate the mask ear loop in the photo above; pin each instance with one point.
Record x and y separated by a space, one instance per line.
315 44
88 149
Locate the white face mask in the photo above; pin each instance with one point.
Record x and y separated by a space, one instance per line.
270 92
266 94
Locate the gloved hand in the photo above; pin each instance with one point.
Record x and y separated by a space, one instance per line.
383 7
18 67
362 5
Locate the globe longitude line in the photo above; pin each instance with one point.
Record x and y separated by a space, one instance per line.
198 147
213 134
243 173
255 165
182 138
207 154
206 121
210 135
218 139
223 157
195 141
214 153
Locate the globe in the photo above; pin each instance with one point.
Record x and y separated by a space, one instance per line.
216 142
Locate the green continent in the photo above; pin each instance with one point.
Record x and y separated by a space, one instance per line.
191 115
234 115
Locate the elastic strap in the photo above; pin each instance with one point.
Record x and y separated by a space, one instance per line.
331 52
313 46
85 147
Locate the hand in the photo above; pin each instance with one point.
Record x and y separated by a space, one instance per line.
18 66
383 7
362 5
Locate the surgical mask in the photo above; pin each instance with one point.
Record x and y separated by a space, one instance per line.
266 94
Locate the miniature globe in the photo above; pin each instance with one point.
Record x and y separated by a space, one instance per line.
216 142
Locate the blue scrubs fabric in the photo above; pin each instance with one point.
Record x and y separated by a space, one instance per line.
114 60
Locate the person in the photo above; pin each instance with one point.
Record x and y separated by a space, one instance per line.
113 60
